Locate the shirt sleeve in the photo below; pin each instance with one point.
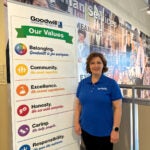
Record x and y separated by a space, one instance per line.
116 92
78 89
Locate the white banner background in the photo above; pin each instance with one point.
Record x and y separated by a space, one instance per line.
42 98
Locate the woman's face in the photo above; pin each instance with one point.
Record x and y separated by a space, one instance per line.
42 3
81 37
96 66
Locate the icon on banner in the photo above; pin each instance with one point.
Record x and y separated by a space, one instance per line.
21 69
25 147
21 49
23 130
59 24
22 90
22 110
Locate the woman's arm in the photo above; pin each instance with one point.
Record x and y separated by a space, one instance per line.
117 105
77 111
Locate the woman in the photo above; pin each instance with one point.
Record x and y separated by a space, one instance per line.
83 52
98 106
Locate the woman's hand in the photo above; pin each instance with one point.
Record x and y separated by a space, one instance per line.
114 137
77 128
77 111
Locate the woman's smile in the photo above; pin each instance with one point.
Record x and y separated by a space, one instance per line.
96 66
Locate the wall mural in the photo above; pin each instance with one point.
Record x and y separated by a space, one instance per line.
126 48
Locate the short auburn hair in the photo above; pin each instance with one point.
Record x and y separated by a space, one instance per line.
93 55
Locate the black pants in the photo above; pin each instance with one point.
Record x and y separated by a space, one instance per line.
96 143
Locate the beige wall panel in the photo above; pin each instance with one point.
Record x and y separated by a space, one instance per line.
144 127
3 43
3 34
124 143
5 119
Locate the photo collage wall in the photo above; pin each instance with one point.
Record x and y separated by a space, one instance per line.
126 48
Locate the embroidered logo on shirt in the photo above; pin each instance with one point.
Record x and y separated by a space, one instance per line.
102 88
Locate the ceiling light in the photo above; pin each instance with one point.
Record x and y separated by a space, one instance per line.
148 10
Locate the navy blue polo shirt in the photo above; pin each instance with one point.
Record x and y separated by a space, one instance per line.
96 99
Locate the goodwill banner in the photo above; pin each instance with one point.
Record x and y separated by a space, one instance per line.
126 48
25 31
43 78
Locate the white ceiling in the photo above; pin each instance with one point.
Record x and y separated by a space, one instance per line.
131 10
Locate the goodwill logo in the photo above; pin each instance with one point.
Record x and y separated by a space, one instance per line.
102 88
47 22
